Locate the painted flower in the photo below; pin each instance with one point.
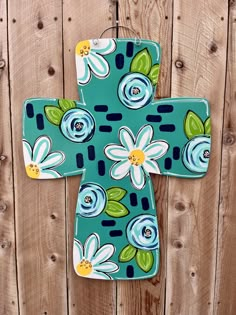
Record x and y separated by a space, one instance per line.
39 162
91 201
77 125
135 90
196 154
142 232
136 157
91 260
89 59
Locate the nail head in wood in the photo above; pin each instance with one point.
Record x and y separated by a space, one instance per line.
53 216
213 48
13 20
179 64
178 244
51 71
40 25
53 258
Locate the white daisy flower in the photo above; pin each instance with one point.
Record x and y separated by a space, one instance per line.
91 260
39 162
89 58
136 156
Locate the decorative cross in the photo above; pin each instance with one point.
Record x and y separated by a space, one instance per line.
116 136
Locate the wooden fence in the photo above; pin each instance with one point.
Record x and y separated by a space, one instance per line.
197 218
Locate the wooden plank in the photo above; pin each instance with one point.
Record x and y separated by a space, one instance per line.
85 296
199 56
151 20
8 277
225 292
35 52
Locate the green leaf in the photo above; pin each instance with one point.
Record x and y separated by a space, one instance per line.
207 126
193 125
116 209
116 193
154 74
142 62
65 105
144 260
127 253
53 114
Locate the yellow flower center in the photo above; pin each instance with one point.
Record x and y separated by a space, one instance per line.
136 157
84 268
83 48
33 170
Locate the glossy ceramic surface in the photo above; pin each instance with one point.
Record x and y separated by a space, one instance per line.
116 135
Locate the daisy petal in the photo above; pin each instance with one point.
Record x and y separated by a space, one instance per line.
127 138
120 169
45 174
156 149
52 160
98 65
103 254
104 46
144 137
77 253
108 266
82 70
116 152
90 247
137 177
41 148
99 275
27 152
151 167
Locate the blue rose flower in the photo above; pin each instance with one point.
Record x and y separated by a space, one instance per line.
78 125
142 232
91 201
196 154
135 90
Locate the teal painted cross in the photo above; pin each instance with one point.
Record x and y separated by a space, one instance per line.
115 136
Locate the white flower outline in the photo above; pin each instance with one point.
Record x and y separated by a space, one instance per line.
151 151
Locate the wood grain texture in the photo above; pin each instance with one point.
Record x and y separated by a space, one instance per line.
8 277
35 52
225 292
152 20
85 296
199 65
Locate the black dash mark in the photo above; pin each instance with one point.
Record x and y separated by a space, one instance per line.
167 128
105 128
120 61
145 203
40 121
130 271
101 108
101 168
108 222
30 110
114 117
176 153
168 163
115 233
129 49
165 108
133 199
91 152
153 118
79 160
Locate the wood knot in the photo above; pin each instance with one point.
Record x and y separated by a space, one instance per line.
229 138
232 3
2 64
53 258
40 25
51 71
3 207
4 244
179 64
178 244
213 48
180 206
